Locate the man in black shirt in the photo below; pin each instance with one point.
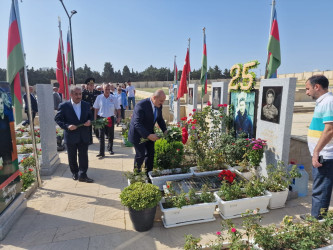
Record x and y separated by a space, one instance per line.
89 95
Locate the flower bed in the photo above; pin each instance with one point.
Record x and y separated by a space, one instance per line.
167 175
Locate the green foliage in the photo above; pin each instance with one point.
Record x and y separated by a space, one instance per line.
173 134
172 199
139 196
168 154
232 148
27 177
26 141
279 178
28 162
192 243
24 149
136 176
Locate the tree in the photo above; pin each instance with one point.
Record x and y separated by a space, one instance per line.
2 74
126 73
108 72
226 74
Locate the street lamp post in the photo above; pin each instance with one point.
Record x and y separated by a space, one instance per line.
70 31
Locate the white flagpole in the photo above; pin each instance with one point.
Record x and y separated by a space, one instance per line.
62 60
32 131
202 66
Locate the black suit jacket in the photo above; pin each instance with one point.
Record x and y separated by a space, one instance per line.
142 123
34 106
66 116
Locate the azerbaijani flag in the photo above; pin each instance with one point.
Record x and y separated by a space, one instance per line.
274 54
203 78
15 60
69 60
186 70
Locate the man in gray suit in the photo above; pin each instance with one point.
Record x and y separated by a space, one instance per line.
56 98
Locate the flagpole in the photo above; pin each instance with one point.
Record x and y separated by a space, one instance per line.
62 60
189 73
269 33
32 131
204 29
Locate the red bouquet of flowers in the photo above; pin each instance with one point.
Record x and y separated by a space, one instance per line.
227 175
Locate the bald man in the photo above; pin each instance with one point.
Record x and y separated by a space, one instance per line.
146 113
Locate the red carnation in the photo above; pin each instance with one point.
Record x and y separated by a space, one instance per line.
109 122
184 135
220 105
208 103
184 118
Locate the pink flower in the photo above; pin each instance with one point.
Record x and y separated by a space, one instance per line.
189 114
218 233
193 127
233 230
209 104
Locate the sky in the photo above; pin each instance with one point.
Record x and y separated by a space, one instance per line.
140 33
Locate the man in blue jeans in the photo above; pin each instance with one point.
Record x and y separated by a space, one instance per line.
320 143
130 90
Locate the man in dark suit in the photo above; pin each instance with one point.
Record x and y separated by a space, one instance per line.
71 114
146 113
56 98
34 106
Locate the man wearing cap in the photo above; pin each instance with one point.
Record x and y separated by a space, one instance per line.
106 105
89 95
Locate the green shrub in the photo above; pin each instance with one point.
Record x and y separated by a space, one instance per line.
139 196
168 154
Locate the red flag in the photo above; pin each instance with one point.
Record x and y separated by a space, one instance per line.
186 70
63 87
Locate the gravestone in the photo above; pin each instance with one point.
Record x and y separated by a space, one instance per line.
219 94
274 118
50 159
192 97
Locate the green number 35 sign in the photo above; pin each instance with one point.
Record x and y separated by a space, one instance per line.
241 77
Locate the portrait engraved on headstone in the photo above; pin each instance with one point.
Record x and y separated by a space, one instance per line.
245 112
190 96
271 104
216 100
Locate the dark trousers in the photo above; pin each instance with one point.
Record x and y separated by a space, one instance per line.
322 187
73 151
122 112
109 131
27 122
90 135
144 152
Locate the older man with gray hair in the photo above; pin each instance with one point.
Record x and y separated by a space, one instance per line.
70 115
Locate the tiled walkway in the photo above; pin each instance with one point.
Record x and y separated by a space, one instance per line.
66 214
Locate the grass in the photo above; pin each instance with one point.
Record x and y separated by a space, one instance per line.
152 90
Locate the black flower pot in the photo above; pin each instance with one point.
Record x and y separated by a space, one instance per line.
142 220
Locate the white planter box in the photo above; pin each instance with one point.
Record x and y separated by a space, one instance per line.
192 214
193 170
278 199
161 180
235 208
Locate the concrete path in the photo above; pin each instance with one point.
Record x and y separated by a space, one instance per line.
66 214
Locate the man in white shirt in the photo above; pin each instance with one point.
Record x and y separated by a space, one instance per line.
106 105
130 90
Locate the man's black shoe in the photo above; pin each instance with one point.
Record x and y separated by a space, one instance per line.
86 179
100 155
111 152
75 177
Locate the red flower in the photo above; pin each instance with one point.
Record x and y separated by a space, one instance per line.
209 104
184 135
178 149
225 105
220 105
20 173
168 186
194 121
233 230
109 122
227 175
184 118
189 114
30 170
194 110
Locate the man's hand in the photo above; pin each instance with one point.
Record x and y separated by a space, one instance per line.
315 162
87 123
72 127
165 132
153 137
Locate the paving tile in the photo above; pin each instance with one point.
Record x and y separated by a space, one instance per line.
76 244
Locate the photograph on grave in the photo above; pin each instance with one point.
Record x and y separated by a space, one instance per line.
216 100
271 104
171 97
190 96
175 92
244 108
10 185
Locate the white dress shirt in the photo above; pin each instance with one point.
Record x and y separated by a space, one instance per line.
77 109
106 106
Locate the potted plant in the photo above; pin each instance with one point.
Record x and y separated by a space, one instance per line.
277 183
141 200
169 154
187 208
235 197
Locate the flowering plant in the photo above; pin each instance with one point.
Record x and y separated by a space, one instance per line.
255 151
27 177
227 175
27 162
99 123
